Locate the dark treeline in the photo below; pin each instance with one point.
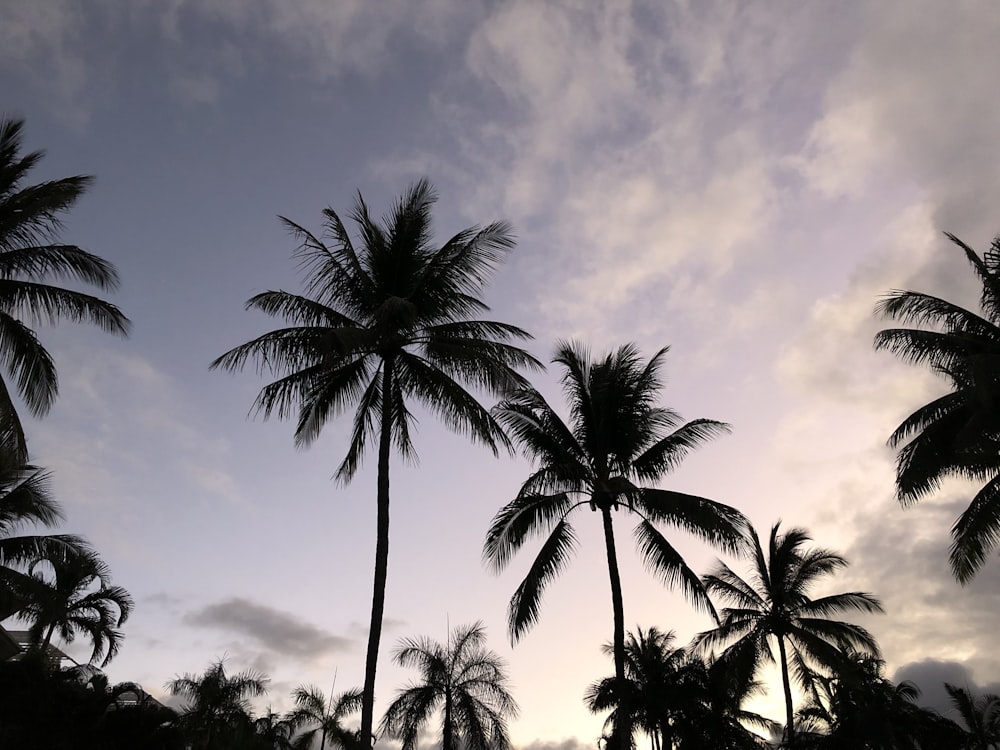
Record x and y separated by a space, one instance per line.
388 318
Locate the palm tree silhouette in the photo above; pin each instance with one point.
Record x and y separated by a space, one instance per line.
311 709
617 443
981 716
386 322
463 680
76 597
857 707
25 501
676 698
30 256
217 705
774 603
958 433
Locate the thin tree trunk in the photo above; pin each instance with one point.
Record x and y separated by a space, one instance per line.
381 559
786 684
623 728
447 739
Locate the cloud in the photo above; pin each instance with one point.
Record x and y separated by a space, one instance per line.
618 136
902 557
930 675
275 630
568 744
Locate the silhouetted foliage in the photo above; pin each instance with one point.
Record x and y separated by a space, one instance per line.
384 322
73 594
216 714
464 682
31 256
957 434
617 443
677 699
774 603
315 718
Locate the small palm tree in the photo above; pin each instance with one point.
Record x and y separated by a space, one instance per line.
617 444
216 712
463 680
659 682
858 708
273 731
981 716
30 256
25 501
76 597
382 324
957 434
677 699
773 603
324 719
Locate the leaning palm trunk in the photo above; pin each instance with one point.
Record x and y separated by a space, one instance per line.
623 727
381 560
787 686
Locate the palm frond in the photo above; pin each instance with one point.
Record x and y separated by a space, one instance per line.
551 558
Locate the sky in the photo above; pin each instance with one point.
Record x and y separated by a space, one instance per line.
739 181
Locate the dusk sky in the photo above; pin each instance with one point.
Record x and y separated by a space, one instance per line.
739 181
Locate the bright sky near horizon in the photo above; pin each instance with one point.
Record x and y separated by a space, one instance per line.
737 180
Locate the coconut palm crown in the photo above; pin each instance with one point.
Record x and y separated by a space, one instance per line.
957 434
617 444
30 258
383 322
773 604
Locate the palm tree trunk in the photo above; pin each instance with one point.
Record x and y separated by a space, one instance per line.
381 559
623 727
786 684
447 740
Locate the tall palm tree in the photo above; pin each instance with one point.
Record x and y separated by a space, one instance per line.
383 323
216 712
25 501
957 434
30 257
77 597
981 716
773 603
324 719
463 680
617 444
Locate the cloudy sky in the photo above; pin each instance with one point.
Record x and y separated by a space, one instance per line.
739 181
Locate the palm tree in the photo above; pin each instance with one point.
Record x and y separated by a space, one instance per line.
981 716
26 500
217 708
312 709
957 434
774 603
382 324
30 256
67 602
676 698
465 681
858 708
273 732
659 681
618 443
